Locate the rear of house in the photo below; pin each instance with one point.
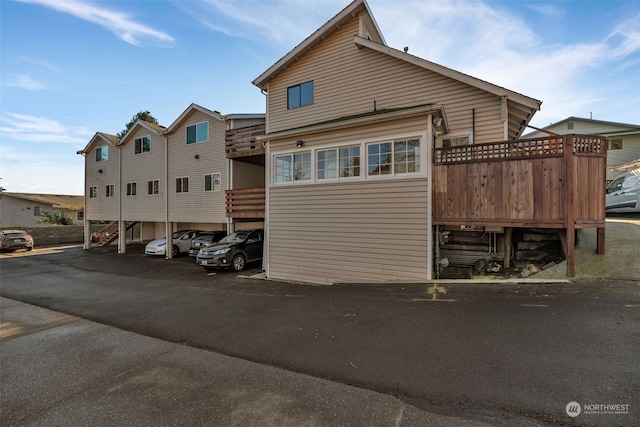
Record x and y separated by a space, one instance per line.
350 132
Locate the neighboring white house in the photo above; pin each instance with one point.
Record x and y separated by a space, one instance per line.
166 179
624 139
26 209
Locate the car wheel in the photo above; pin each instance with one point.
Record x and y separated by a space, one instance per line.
29 249
238 262
175 251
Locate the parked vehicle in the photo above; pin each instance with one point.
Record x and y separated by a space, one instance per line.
623 194
11 240
205 240
234 251
181 242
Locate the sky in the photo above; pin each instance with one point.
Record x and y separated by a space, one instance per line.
71 68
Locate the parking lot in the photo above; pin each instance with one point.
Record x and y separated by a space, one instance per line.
480 351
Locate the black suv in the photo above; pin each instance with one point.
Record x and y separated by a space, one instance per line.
234 251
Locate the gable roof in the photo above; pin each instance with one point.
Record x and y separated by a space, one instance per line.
625 128
99 137
348 13
60 201
193 107
151 127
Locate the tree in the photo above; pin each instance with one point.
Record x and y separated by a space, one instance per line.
142 115
55 218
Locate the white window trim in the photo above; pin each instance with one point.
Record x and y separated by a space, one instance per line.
424 167
183 192
153 194
141 145
196 126
212 190
130 187
114 190
439 140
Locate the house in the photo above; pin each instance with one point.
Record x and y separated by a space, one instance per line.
623 139
354 192
26 209
166 179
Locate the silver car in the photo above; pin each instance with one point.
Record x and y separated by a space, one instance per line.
181 242
623 194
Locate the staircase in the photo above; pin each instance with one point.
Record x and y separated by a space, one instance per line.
109 233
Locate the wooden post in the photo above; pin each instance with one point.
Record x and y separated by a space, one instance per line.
508 233
600 240
569 183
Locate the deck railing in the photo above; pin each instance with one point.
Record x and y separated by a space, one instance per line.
550 146
247 203
242 142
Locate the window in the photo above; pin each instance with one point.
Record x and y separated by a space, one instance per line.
615 144
93 191
143 145
302 166
80 216
327 164
283 168
398 157
198 133
36 211
182 184
570 125
102 154
131 188
454 141
300 95
110 190
349 161
153 186
212 182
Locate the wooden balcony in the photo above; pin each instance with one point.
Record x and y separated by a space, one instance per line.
248 203
552 182
242 144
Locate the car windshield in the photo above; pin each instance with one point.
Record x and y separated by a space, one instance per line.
177 234
236 237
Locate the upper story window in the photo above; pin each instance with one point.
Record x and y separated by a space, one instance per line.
300 95
102 154
153 186
132 188
110 190
182 184
93 191
143 145
198 133
212 182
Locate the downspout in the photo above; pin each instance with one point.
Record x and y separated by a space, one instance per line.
473 125
167 228
430 143
267 184
85 223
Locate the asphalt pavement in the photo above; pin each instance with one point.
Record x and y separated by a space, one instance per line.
168 344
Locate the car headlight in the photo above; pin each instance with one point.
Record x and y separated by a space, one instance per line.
221 251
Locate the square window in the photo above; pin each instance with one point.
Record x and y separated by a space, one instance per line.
143 145
198 133
300 95
182 184
379 158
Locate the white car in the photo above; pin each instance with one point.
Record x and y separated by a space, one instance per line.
181 242
623 194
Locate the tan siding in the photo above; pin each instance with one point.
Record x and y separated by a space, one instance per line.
16 212
141 168
241 123
348 81
347 232
102 208
247 175
197 205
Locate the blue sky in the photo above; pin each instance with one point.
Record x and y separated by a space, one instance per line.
70 68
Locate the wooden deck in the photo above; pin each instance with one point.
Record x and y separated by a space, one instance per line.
242 144
248 203
552 182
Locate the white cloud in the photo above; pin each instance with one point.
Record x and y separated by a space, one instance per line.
121 24
22 127
24 81
41 63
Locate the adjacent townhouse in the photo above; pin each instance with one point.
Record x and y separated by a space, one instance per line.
27 209
370 149
166 179
623 140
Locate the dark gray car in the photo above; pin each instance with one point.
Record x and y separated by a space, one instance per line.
234 251
205 240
